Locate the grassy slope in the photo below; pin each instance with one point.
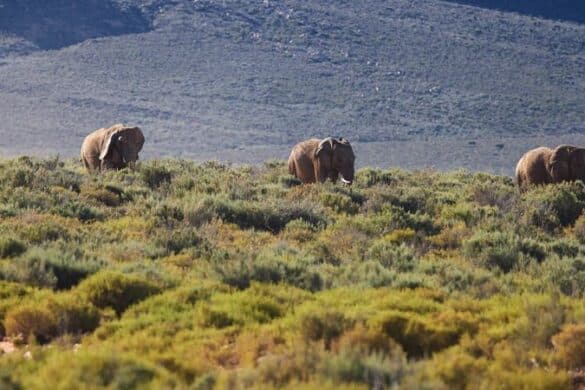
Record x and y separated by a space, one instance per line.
244 81
199 274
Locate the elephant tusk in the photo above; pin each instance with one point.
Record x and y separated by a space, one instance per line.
343 180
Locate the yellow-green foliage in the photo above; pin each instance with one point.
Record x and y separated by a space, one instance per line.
570 345
116 291
184 275
27 320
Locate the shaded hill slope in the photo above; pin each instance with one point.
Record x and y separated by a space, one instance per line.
568 10
244 81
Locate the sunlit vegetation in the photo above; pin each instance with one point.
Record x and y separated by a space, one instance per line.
179 274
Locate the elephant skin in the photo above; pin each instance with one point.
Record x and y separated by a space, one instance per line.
545 166
112 148
317 160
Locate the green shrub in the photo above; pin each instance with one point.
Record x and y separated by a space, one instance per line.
564 247
70 271
10 247
264 216
168 214
100 369
493 194
33 271
22 177
240 308
72 315
299 230
417 336
390 255
555 206
28 320
284 264
339 202
174 241
11 295
75 209
280 264
51 317
114 290
568 276
154 175
579 229
532 248
210 317
325 325
501 250
279 270
49 268
411 281
368 177
375 370
7 211
412 199
393 218
366 341
199 213
110 196
38 233
363 274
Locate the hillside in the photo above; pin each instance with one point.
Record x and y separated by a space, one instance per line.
412 84
567 10
184 275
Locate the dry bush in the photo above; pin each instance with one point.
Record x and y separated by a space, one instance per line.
570 345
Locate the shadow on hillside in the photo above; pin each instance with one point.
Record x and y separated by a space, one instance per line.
566 10
53 24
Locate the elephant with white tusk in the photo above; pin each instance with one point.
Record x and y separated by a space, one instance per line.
112 148
317 160
544 166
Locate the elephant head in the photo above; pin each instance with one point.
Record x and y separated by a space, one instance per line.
121 146
558 164
334 158
577 164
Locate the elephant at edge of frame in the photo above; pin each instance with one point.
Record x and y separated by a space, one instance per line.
545 166
316 160
112 148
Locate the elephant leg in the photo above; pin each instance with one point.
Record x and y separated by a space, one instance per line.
291 167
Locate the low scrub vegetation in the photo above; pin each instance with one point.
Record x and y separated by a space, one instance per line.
187 275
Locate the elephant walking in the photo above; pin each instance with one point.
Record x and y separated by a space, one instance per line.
111 148
317 160
545 166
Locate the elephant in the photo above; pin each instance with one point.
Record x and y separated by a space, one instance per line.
545 166
111 148
316 160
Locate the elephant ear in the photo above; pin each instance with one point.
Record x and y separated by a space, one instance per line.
325 145
559 163
110 134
